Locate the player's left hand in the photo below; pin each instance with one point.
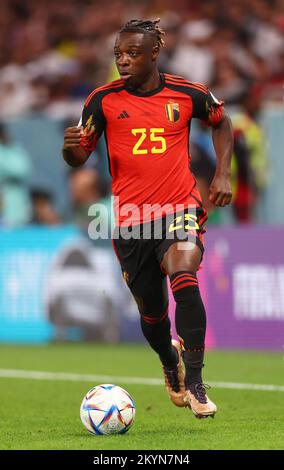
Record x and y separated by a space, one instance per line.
220 192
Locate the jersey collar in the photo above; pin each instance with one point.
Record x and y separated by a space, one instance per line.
147 93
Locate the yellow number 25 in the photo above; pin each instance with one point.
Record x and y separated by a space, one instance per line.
142 135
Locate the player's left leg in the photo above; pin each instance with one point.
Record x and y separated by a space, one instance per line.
181 262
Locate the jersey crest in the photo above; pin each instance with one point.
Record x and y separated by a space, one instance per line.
172 111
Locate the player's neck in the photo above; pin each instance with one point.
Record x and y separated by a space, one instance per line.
152 83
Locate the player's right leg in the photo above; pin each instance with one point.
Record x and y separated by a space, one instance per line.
150 293
149 288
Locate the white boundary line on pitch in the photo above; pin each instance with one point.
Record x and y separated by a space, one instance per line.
42 375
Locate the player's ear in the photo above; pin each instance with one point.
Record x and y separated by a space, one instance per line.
155 52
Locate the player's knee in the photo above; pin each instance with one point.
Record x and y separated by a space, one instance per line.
179 258
190 267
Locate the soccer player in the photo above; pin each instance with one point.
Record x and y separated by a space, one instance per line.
146 118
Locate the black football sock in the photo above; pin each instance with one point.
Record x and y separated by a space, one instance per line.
193 362
157 332
190 323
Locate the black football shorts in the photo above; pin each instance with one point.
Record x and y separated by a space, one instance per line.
140 251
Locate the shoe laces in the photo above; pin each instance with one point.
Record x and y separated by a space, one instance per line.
199 391
172 378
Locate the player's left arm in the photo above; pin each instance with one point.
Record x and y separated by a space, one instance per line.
207 108
220 191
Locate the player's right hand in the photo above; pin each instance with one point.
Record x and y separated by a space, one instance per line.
72 137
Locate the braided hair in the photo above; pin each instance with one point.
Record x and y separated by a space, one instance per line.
145 27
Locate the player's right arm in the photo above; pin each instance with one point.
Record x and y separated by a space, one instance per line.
73 153
80 141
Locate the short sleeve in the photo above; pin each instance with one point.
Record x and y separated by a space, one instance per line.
93 121
207 108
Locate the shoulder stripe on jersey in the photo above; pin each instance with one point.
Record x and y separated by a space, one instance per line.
187 85
185 82
109 86
178 77
175 77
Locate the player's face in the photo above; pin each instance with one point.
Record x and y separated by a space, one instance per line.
135 56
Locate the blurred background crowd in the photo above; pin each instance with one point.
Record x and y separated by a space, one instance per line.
53 54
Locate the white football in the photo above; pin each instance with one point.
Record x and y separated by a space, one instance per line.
107 409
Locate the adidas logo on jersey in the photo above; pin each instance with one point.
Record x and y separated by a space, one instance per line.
123 115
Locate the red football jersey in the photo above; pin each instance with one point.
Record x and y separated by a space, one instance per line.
147 136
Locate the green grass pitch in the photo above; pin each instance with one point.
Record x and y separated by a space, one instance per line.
44 414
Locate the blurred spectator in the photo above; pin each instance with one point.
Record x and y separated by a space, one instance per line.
171 24
43 212
228 83
87 188
193 57
250 164
16 95
15 171
266 39
203 164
